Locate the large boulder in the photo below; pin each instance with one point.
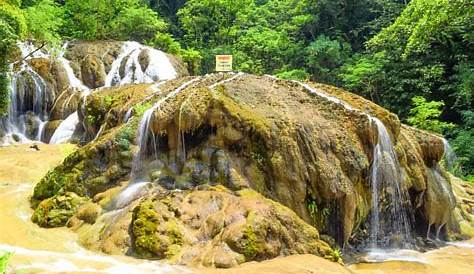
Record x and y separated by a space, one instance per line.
300 146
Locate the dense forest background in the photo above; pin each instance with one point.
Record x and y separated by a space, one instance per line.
413 57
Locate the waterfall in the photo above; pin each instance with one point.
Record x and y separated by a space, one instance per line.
390 225
29 100
449 155
29 92
67 127
144 131
159 66
129 194
40 133
65 130
443 185
137 186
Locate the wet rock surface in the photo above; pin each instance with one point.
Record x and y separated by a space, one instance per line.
294 150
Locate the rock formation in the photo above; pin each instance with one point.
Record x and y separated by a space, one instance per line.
196 167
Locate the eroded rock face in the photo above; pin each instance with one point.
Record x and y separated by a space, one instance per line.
246 134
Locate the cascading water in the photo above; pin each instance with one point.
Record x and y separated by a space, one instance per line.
29 101
449 155
159 66
65 130
29 94
67 127
143 137
390 225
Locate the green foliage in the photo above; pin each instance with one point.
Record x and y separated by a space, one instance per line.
107 102
136 23
317 215
166 43
140 109
463 145
193 60
112 19
426 22
91 119
336 254
4 257
125 137
323 55
425 115
294 74
364 73
44 20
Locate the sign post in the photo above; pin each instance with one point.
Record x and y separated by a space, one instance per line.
223 63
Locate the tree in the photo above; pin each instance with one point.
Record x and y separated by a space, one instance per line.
427 52
425 115
111 19
136 23
364 73
463 144
323 56
44 20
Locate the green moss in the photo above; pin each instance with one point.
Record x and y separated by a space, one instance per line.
4 257
140 109
154 237
55 180
174 233
336 255
249 239
317 213
107 101
145 229
125 137
56 211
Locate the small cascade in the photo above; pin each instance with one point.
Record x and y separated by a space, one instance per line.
449 155
67 127
129 194
74 82
127 68
443 185
29 100
390 225
65 130
41 126
143 137
128 115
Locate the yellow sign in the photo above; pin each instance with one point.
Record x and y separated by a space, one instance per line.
223 62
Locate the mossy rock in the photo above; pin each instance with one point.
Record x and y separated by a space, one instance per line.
154 236
56 211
